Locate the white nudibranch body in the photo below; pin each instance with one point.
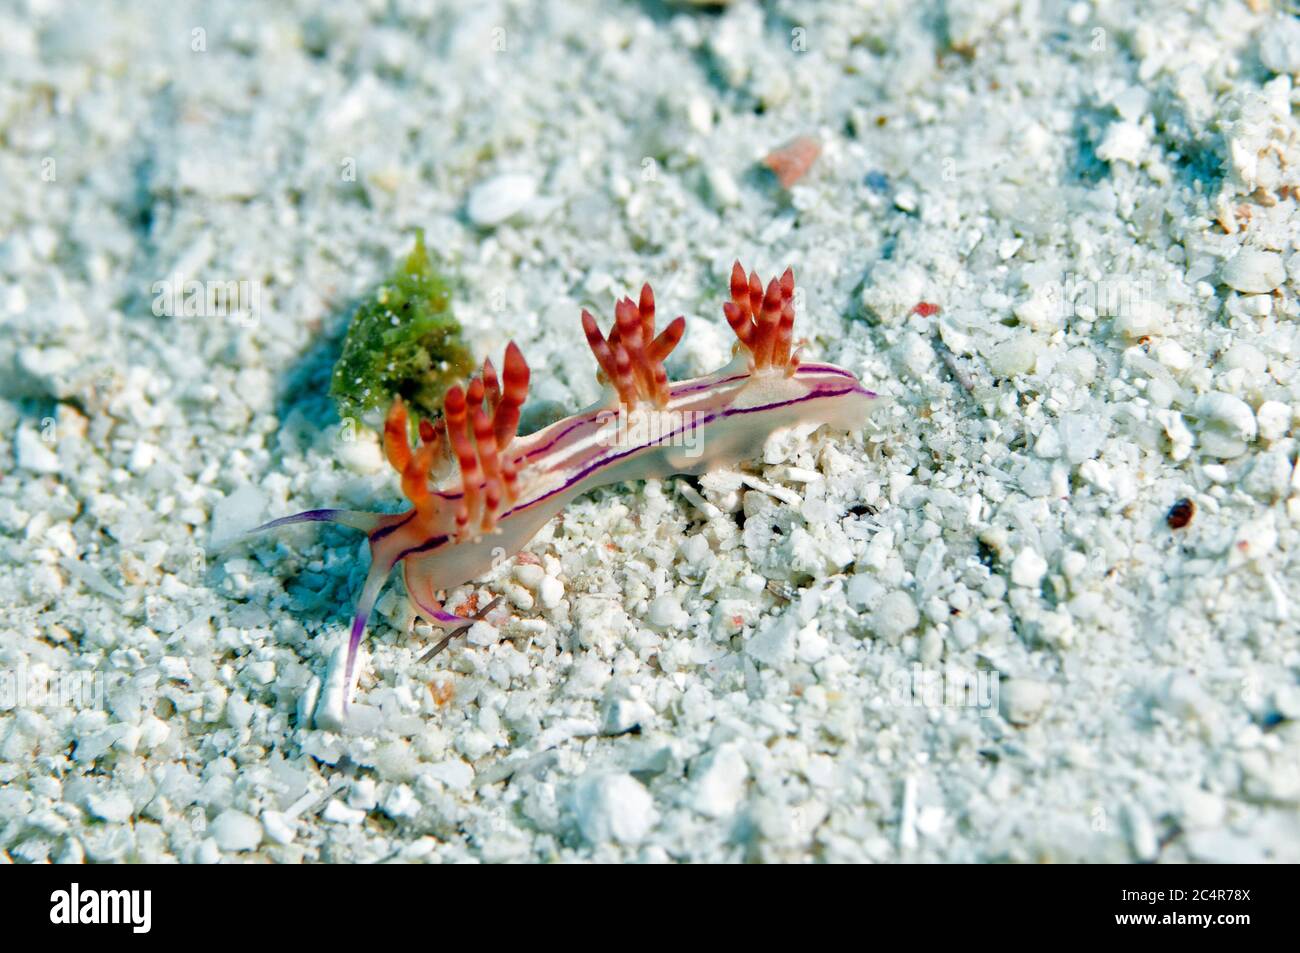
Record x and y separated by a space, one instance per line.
480 492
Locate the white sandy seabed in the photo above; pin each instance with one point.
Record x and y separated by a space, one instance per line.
1100 198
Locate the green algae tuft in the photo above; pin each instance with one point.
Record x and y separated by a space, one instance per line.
403 342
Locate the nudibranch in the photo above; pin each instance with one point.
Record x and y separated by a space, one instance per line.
479 491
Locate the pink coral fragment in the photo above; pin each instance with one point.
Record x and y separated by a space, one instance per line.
792 161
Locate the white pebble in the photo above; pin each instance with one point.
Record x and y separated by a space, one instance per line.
1073 564
1182 696
1201 809
500 198
1269 476
551 592
1017 355
1254 540
1027 568
454 773
624 714
363 794
1022 700
49 365
1081 436
1274 419
482 634
33 453
143 455
1254 271
720 784
700 113
1227 424
723 189
1081 364
1279 44
1247 357
529 575
1123 142
235 831
237 513
401 802
278 827
666 612
1141 833
339 813
114 807
1180 438
930 820
1173 356
863 590
1261 306
519 597
774 643
895 616
361 454
613 807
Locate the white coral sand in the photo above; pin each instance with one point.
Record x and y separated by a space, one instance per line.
966 633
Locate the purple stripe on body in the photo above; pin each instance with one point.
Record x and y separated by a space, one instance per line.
383 531
690 387
686 387
606 461
584 422
433 612
811 395
826 369
433 542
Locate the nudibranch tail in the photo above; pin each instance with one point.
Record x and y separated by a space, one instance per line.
353 519
374 584
632 358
